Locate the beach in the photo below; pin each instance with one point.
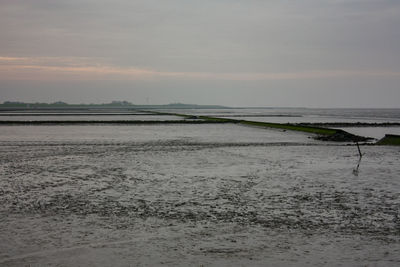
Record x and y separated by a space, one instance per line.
201 195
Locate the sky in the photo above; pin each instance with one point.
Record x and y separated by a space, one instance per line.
264 53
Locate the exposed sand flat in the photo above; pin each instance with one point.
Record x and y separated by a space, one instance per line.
218 195
150 133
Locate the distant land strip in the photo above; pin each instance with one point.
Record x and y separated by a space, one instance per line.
390 140
18 106
258 115
350 124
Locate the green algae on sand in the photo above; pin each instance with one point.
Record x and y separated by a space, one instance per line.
390 140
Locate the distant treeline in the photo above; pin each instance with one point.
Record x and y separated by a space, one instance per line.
61 104
113 104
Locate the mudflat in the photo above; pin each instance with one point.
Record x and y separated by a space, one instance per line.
179 195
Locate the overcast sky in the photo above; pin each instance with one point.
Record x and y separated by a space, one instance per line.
300 53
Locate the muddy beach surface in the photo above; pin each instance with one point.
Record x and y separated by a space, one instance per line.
194 195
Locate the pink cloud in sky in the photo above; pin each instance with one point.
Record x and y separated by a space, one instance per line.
64 68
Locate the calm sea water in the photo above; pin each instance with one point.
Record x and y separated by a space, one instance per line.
311 115
278 115
324 115
305 113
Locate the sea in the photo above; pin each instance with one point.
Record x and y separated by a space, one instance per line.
375 122
347 116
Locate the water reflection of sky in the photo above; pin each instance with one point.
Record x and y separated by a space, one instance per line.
90 118
379 114
313 119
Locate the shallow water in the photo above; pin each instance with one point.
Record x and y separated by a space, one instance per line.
180 195
307 114
312 119
209 133
82 117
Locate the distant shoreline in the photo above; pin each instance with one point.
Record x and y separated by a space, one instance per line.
124 105
21 106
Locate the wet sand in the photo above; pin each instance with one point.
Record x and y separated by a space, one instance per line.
211 195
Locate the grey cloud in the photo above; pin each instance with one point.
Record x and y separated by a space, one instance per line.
210 36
